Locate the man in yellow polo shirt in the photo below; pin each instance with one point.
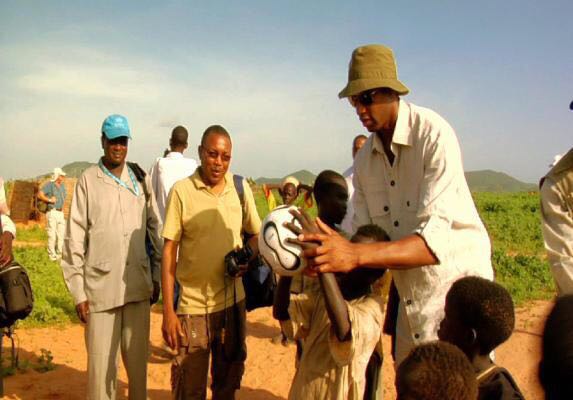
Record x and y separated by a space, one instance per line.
204 220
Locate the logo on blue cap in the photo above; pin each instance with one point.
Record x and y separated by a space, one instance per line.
115 126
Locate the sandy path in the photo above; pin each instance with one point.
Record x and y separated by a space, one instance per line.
269 367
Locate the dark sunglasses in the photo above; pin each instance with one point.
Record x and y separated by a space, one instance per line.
365 98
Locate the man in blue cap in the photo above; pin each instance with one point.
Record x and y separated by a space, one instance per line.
556 189
106 266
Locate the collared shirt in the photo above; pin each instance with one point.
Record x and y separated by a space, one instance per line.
104 257
330 369
51 189
346 223
557 230
207 227
423 192
165 172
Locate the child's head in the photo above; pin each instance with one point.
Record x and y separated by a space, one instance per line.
556 366
479 316
331 194
357 282
370 233
436 371
289 190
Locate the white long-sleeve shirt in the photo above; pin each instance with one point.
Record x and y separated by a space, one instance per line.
423 192
165 172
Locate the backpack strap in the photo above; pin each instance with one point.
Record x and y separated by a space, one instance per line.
486 373
140 175
238 181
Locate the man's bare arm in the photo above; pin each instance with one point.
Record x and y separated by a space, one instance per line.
171 328
337 254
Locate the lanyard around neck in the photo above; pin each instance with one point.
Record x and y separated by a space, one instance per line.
135 189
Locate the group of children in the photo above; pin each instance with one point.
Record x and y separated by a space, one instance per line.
337 323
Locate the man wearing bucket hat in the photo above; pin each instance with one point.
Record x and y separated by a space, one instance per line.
54 193
409 180
556 190
106 265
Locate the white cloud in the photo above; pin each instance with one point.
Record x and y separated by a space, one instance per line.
277 125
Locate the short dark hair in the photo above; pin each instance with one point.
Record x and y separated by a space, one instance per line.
214 129
437 371
556 366
361 136
371 231
484 306
324 182
358 281
179 136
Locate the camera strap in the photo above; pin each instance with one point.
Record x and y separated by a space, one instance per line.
240 189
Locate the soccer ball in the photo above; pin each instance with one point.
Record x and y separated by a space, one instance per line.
284 258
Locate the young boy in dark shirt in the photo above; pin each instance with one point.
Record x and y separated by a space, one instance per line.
479 316
436 371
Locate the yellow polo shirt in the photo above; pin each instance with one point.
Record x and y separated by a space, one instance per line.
207 226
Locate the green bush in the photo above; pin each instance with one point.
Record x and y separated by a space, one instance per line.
52 301
512 221
33 234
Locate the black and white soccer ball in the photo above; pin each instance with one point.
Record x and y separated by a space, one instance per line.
284 258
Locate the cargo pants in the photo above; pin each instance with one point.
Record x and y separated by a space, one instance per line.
220 335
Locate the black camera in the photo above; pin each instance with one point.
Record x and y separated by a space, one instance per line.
235 258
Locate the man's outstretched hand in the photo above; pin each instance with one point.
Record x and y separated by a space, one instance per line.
325 249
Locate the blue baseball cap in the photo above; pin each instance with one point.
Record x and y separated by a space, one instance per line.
115 126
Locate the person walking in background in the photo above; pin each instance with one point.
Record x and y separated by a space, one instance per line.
289 190
54 193
409 180
167 170
556 190
346 223
172 167
106 267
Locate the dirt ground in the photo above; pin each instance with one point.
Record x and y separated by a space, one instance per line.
269 370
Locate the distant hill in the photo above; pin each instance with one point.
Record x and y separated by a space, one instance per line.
73 170
493 181
303 176
478 181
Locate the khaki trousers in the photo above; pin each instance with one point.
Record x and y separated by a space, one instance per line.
124 328
55 227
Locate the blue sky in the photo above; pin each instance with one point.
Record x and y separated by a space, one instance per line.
499 72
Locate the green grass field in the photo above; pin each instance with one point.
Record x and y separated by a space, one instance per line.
512 220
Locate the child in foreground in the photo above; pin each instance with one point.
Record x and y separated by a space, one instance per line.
479 316
556 366
340 325
436 371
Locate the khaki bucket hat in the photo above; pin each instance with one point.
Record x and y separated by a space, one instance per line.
372 66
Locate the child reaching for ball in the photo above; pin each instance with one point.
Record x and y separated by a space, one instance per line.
331 194
340 325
